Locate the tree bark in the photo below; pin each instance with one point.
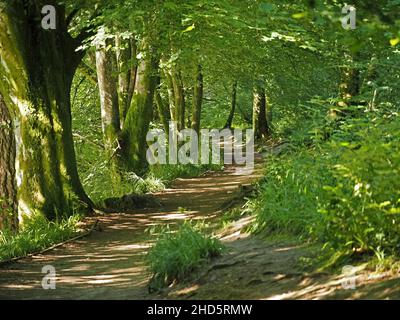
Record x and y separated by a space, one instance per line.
140 113
176 93
109 102
229 121
127 71
38 66
8 191
260 124
197 99
171 95
179 99
163 111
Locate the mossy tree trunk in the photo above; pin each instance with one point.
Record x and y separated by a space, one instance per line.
140 113
8 191
176 93
38 67
163 110
260 123
197 99
229 121
171 95
109 102
180 103
127 70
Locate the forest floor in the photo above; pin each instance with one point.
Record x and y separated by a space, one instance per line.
109 264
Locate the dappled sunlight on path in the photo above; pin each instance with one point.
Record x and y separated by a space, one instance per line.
110 264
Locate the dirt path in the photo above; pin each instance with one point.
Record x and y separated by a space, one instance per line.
110 265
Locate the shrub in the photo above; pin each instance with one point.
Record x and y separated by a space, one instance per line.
362 207
343 191
176 254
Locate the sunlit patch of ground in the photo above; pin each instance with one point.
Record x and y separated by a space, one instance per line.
110 264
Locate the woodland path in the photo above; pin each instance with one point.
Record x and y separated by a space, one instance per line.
110 264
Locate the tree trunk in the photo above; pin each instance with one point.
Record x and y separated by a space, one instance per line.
127 70
8 191
179 98
260 124
139 115
171 95
39 66
110 117
163 111
197 100
229 122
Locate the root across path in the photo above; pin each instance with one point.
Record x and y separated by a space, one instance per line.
109 264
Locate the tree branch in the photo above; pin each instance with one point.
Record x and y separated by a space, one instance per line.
71 16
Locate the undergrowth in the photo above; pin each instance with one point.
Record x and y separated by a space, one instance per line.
177 253
36 234
338 185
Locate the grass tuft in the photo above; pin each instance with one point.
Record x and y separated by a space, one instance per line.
176 254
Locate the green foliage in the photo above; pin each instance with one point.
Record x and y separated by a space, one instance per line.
176 254
36 234
362 206
96 172
168 173
339 186
288 200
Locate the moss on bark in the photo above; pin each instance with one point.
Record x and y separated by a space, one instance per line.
38 67
139 115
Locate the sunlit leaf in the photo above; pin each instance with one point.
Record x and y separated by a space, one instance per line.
394 41
190 28
299 15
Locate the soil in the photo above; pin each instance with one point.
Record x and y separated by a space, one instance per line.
109 264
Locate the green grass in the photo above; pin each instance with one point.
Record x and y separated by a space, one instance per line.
168 173
97 181
176 254
338 186
287 200
35 235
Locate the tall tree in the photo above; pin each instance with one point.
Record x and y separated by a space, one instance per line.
163 110
179 96
8 191
229 121
140 113
38 66
197 99
126 51
109 102
260 124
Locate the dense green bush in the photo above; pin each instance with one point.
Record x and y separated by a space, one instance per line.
362 206
341 188
176 254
